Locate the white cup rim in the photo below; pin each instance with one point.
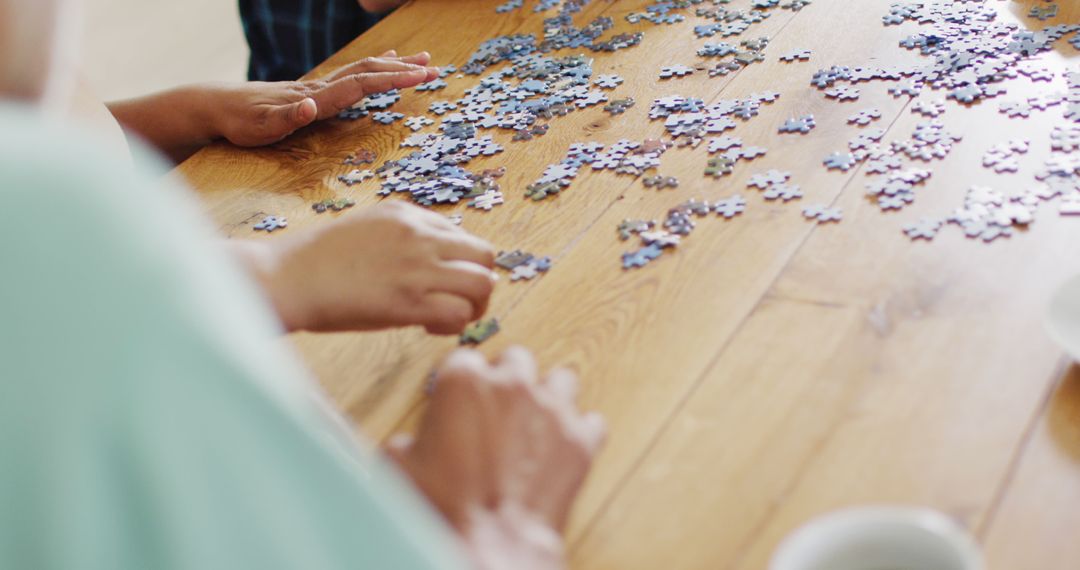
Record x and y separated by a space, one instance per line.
826 527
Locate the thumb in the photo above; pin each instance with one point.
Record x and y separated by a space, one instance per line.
296 115
397 448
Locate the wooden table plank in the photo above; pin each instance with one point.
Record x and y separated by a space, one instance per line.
1035 526
768 369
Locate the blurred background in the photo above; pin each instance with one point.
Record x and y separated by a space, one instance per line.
132 47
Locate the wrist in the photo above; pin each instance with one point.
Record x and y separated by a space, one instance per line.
266 262
512 537
207 105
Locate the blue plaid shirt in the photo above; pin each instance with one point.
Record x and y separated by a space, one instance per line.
290 37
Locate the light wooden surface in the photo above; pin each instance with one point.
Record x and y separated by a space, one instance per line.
769 370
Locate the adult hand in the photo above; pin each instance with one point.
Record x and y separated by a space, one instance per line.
260 113
502 454
389 265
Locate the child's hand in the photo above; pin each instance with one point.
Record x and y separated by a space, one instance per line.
256 113
502 454
390 265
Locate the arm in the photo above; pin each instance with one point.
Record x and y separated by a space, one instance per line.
180 121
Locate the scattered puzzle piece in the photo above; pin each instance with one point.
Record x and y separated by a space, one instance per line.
479 331
271 223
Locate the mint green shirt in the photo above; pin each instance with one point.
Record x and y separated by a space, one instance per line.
148 417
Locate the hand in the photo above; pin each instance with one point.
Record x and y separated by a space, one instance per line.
259 113
389 265
379 6
502 455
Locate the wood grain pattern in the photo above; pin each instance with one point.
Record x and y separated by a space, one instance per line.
770 369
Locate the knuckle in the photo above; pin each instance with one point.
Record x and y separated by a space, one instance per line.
454 316
463 368
483 286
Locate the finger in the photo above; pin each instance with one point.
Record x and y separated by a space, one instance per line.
443 313
463 246
469 281
563 384
419 58
371 64
462 364
377 64
289 118
398 446
347 91
390 53
516 364
593 432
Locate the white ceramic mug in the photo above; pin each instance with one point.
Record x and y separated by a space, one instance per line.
879 538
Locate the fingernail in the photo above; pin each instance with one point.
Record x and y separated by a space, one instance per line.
494 276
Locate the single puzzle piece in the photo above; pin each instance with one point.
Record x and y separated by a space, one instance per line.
722 143
677 70
721 49
864 117
542 190
926 229
661 239
508 260
842 161
763 180
271 223
693 206
525 271
418 122
883 164
730 207
355 176
487 200
332 205
929 108
720 166
1043 13
802 125
910 88
628 227
751 152
608 81
785 192
361 156
799 54
433 85
843 93
822 214
442 107
1065 139
353 113
641 257
619 106
660 182
479 331
386 117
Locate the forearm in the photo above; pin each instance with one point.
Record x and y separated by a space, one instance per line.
264 265
178 122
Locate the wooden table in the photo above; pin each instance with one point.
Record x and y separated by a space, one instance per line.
769 370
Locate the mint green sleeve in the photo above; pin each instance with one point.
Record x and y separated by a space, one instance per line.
150 416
